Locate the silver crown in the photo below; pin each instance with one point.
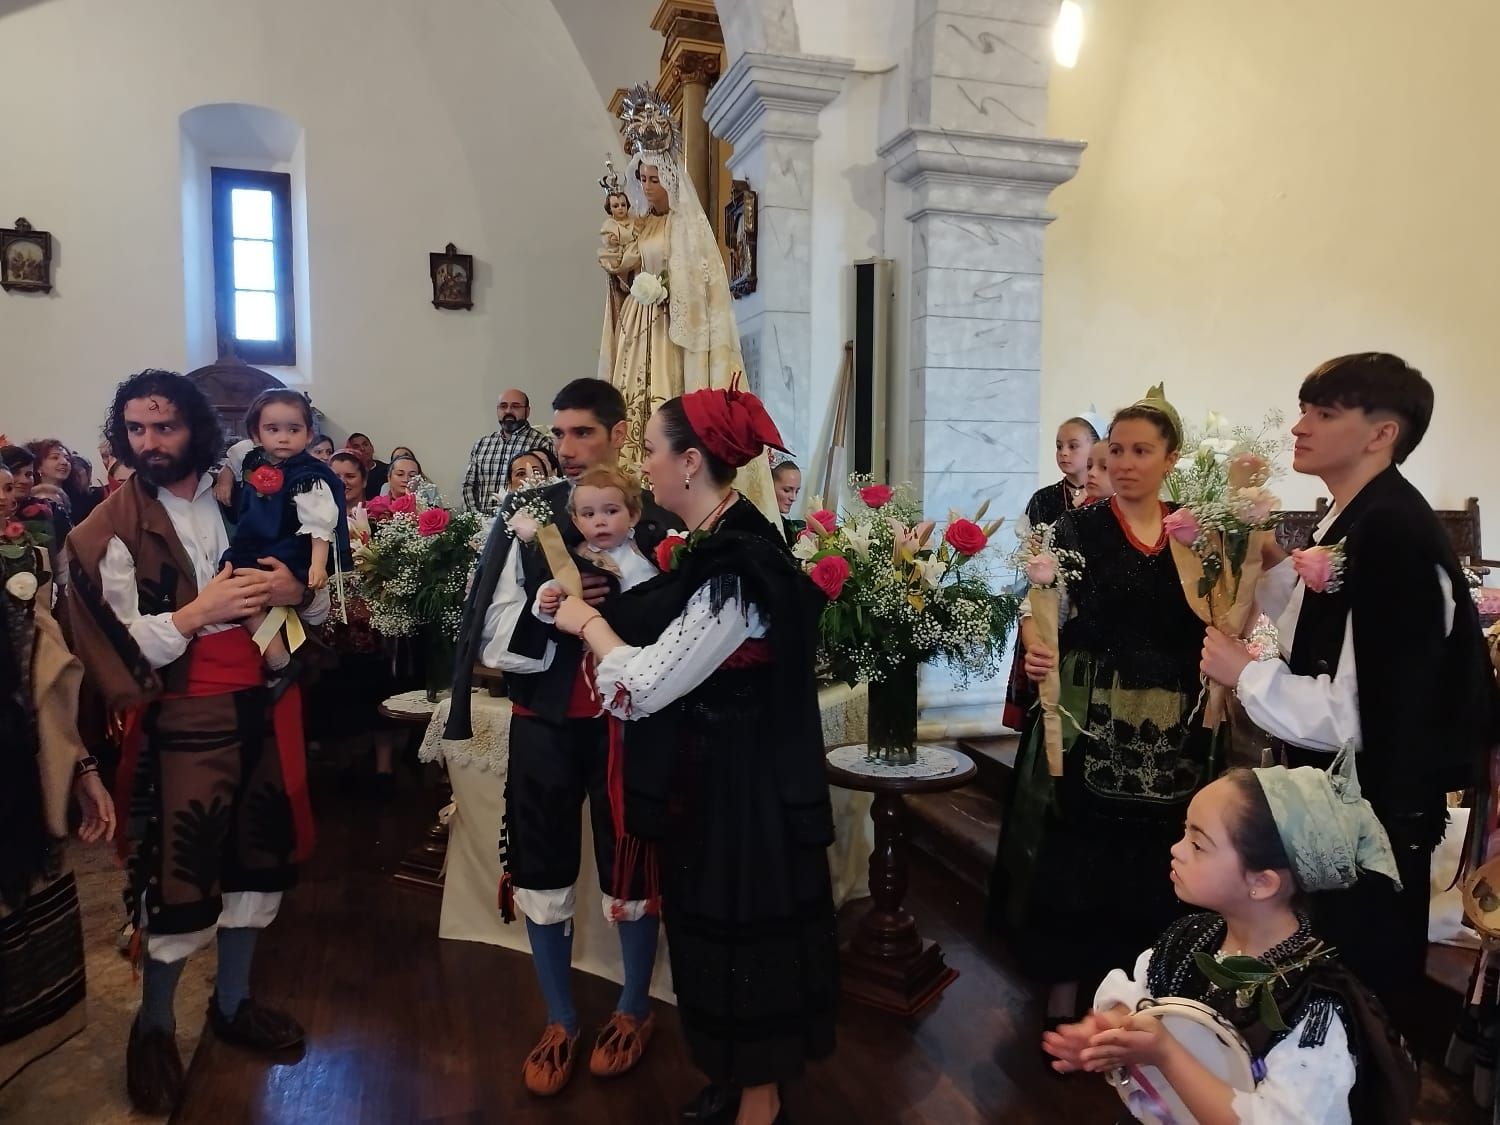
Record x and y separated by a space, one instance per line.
610 182
647 124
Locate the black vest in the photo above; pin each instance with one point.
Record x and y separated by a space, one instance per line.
1427 702
547 693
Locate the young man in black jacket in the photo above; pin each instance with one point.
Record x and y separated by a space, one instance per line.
1387 658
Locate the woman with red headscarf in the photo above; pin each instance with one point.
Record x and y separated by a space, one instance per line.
721 788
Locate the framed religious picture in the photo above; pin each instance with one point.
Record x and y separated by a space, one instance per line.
25 258
739 233
452 279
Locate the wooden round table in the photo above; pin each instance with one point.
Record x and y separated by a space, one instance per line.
888 963
423 865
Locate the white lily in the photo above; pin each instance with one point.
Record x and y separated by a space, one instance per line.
932 571
805 548
858 538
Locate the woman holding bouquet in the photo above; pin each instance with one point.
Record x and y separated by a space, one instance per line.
1082 872
711 663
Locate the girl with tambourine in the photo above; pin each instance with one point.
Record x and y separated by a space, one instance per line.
1241 1015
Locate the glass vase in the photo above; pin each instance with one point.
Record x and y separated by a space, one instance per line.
438 665
892 737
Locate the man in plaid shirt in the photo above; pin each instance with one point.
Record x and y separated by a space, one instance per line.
493 453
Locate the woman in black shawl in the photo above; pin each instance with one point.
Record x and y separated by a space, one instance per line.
722 786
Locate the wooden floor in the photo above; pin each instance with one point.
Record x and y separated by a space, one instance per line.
406 1028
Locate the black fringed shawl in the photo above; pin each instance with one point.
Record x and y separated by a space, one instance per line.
24 841
744 558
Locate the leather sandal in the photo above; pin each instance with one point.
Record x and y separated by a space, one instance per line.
550 1064
621 1043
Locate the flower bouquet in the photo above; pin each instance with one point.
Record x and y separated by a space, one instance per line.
1048 569
1226 513
898 598
412 566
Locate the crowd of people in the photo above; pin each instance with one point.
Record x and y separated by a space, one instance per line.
666 676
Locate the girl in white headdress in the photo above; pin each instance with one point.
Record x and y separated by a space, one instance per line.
1320 1049
676 332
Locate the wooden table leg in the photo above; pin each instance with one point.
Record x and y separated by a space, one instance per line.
888 964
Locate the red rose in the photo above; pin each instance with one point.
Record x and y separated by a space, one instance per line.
876 495
267 480
966 537
378 507
14 530
432 521
407 503
665 548
830 574
34 511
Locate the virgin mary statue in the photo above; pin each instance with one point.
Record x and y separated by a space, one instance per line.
675 330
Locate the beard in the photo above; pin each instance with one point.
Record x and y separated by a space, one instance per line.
510 423
161 471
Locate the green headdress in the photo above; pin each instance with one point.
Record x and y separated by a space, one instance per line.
1328 829
1156 399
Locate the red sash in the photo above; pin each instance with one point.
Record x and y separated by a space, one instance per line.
219 664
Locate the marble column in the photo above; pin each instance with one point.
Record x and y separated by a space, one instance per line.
767 107
978 169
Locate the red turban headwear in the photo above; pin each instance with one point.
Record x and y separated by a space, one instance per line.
733 425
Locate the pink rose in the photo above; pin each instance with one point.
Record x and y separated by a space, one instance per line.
1042 569
378 507
407 503
876 495
1182 526
1253 505
823 521
966 537
1315 566
830 574
1255 649
1248 470
14 530
523 527
432 522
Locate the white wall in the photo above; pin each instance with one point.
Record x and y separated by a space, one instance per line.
1270 185
472 121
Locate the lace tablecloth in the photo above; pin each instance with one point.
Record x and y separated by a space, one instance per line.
476 770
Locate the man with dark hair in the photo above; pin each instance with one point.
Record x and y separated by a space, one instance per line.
1386 659
559 749
489 460
212 776
377 472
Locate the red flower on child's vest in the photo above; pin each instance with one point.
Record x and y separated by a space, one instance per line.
665 548
266 480
33 511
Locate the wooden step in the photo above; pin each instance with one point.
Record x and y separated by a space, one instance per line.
996 760
960 829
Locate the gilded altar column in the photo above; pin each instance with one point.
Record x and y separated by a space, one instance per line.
696 72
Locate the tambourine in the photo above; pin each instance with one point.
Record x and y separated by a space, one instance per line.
1208 1037
1482 898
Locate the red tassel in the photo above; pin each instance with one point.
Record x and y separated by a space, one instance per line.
507 898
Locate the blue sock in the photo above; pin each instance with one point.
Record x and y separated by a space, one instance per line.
236 949
552 953
638 948
159 988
